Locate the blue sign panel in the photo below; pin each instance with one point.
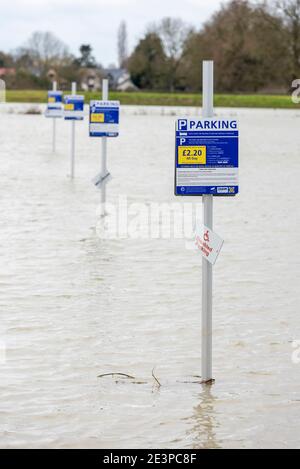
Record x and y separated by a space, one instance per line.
206 160
74 107
54 106
104 118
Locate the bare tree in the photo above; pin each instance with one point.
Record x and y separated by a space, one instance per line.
248 45
122 44
173 33
45 50
290 10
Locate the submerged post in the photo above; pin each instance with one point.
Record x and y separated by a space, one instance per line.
104 150
207 200
54 88
74 89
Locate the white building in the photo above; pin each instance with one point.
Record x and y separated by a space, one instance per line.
119 79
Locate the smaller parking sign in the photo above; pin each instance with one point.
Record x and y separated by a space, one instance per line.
74 107
104 118
54 106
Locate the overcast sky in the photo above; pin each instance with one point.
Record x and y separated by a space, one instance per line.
93 22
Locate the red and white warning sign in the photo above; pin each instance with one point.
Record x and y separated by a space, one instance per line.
208 243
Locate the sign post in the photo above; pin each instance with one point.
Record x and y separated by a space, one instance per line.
54 110
104 151
54 87
207 200
104 123
74 110
74 89
206 164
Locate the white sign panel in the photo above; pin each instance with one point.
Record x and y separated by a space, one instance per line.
99 180
208 243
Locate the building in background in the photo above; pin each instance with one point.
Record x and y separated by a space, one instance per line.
52 75
91 79
119 79
7 72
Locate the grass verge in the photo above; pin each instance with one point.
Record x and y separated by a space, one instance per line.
167 99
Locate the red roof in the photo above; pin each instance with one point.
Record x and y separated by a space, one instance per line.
7 71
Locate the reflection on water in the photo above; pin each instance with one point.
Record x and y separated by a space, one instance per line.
205 423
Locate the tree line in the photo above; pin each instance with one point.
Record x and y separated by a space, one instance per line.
255 47
43 58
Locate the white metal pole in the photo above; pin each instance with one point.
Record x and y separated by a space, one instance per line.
104 151
74 88
54 88
207 200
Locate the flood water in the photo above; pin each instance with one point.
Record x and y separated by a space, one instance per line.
74 306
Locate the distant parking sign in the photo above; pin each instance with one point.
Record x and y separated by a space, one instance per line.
104 118
206 160
74 107
54 106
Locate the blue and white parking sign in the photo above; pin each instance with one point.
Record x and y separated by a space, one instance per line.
74 107
104 118
54 106
206 160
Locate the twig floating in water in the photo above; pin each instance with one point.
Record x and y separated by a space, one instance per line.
116 374
158 383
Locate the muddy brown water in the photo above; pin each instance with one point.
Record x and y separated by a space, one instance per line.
73 306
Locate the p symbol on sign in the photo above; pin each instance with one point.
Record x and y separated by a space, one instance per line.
182 124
